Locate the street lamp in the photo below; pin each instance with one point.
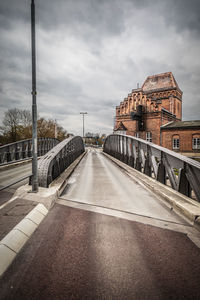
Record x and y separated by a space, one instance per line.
83 113
34 104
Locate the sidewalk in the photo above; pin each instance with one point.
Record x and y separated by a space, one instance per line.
12 213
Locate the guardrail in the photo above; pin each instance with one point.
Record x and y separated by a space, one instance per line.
22 150
51 165
162 164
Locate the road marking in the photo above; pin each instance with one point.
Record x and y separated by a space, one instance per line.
11 200
190 231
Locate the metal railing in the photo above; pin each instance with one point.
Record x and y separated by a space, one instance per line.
51 165
164 165
22 150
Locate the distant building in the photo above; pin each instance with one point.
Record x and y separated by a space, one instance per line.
154 113
182 136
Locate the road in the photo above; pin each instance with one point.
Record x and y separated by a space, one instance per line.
10 175
98 181
106 238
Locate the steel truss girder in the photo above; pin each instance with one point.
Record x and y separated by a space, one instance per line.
182 172
51 165
23 149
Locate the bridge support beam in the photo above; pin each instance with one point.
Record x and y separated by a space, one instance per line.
161 175
184 185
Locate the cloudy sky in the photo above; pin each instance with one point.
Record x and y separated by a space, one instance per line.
92 53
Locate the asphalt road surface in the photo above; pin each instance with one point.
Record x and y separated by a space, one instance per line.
10 175
89 252
98 181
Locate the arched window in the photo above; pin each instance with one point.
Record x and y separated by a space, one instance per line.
176 142
196 141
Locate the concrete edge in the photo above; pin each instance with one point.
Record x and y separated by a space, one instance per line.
62 180
48 196
16 163
181 204
13 242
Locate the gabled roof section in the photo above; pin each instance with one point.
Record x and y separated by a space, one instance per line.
121 127
182 125
160 82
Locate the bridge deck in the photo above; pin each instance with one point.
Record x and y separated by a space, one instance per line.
98 181
77 253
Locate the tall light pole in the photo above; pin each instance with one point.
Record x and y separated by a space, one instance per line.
83 113
56 131
34 104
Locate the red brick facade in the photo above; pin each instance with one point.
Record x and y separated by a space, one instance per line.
160 100
182 137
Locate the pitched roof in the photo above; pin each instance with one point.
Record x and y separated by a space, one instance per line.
160 81
182 124
121 127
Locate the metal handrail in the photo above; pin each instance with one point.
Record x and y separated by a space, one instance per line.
153 160
21 150
51 165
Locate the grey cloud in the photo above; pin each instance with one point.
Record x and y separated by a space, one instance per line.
16 10
91 54
183 14
101 15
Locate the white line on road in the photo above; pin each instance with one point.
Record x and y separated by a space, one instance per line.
11 200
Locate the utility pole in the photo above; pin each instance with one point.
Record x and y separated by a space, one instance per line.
34 104
83 113
56 132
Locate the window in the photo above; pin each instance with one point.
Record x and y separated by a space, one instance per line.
148 137
137 134
120 132
196 143
176 143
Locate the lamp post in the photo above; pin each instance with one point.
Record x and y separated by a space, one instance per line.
56 131
34 104
83 113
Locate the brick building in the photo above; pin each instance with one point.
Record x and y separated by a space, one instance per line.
154 113
182 136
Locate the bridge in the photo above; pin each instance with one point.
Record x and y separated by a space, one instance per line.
120 222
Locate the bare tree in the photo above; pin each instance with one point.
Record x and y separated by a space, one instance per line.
26 118
17 125
11 123
26 124
46 128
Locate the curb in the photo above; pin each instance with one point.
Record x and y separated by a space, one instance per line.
181 204
48 196
12 243
16 163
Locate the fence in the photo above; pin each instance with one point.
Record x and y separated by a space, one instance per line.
22 150
51 165
182 172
